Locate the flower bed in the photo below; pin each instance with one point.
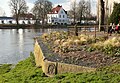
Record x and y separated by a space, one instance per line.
83 50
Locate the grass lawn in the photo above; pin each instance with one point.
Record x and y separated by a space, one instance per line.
26 72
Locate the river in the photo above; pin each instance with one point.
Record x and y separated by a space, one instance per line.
16 45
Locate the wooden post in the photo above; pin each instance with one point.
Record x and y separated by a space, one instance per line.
95 33
68 31
107 30
85 30
76 30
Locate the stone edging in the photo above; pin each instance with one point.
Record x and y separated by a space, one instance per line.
51 68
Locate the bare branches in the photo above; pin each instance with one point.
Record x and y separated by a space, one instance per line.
80 10
18 7
41 9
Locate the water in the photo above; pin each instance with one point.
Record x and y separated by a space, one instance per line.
16 45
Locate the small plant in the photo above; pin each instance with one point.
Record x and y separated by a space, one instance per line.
90 49
61 42
110 46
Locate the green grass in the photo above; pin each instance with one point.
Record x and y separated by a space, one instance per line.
5 68
26 72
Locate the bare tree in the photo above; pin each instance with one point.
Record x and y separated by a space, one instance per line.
83 10
72 12
80 11
41 9
18 7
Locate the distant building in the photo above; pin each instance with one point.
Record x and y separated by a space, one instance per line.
58 16
24 16
24 19
11 20
7 20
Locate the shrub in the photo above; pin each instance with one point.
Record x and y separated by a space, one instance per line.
110 46
61 42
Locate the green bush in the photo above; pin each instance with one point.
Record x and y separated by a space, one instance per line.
114 17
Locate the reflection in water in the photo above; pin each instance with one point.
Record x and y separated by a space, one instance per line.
20 34
20 31
15 45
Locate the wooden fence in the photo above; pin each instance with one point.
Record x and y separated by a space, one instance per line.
88 30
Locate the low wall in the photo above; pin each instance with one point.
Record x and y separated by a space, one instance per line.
51 68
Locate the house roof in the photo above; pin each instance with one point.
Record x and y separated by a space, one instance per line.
55 10
6 18
25 15
29 15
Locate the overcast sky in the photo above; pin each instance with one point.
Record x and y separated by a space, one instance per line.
4 5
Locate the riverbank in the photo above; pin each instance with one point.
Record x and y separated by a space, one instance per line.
30 26
26 72
14 26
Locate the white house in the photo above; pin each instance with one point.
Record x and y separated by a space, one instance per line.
11 20
6 20
58 16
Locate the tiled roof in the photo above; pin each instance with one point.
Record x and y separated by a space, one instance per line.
55 10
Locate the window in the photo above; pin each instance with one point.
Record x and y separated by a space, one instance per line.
59 20
10 22
23 22
63 20
61 12
2 21
59 16
63 16
29 22
52 20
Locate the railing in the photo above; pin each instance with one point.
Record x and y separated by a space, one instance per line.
90 30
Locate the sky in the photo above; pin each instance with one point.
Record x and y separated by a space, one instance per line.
66 4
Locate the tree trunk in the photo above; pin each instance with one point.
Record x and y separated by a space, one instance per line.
42 22
17 21
101 14
74 17
76 30
81 17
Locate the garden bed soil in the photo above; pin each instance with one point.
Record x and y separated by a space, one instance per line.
94 59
